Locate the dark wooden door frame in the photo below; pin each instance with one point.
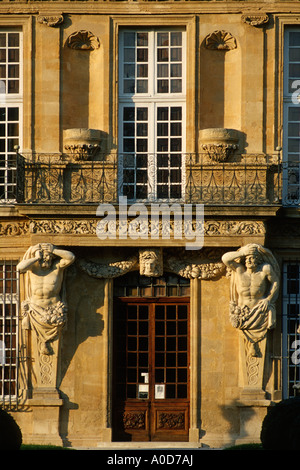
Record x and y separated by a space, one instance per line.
152 419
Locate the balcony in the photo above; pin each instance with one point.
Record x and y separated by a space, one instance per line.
253 180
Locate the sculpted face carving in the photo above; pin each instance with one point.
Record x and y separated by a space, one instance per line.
151 262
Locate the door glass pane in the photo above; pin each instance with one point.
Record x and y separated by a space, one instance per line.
133 355
171 355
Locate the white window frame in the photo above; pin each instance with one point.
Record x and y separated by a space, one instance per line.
151 99
12 100
291 172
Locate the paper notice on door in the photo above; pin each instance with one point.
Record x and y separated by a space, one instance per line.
159 391
143 391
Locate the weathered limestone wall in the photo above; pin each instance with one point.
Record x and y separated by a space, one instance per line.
78 88
219 366
85 361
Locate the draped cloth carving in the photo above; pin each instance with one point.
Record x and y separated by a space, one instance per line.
44 309
254 286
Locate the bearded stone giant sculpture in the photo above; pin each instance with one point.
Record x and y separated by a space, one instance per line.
255 278
44 309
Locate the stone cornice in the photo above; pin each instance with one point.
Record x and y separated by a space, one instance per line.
147 8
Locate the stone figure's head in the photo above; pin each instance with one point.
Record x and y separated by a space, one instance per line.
253 257
150 262
46 259
45 256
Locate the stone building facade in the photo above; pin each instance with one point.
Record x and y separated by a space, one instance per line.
149 221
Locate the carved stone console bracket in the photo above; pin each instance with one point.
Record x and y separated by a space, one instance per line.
83 40
219 143
220 41
255 19
50 20
82 144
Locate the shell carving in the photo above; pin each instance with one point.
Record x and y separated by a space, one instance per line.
83 40
220 41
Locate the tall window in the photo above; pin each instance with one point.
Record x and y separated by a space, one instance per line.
152 114
10 110
8 331
291 118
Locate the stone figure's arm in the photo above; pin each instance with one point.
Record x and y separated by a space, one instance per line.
26 264
274 281
66 257
230 259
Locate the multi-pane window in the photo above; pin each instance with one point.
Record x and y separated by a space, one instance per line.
152 114
10 110
8 330
291 129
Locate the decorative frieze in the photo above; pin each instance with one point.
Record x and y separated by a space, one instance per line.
15 228
217 228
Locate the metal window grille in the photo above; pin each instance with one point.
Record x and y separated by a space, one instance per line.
290 328
9 300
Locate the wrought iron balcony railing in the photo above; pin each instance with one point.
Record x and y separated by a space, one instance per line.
53 179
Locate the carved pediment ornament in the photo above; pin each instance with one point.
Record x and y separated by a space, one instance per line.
220 41
83 40
201 268
50 20
107 270
255 19
150 263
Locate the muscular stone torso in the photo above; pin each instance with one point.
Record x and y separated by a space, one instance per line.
46 285
251 287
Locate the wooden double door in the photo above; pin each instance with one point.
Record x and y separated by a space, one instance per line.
151 369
